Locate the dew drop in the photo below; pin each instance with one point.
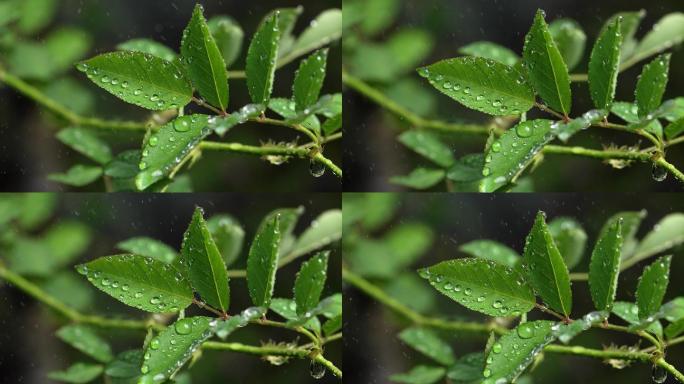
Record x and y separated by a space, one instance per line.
658 173
486 171
181 126
658 374
487 372
523 130
183 326
468 291
525 330
496 348
497 304
154 344
317 169
496 147
154 141
317 370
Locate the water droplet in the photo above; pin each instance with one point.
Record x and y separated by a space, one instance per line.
468 291
183 326
496 147
658 374
486 171
138 295
144 369
466 90
154 140
155 300
525 330
181 126
106 282
479 97
496 348
105 79
523 130
480 299
137 92
659 173
497 304
154 344
487 372
317 169
446 85
317 370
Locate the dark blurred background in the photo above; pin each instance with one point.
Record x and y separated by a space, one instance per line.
372 154
29 151
29 349
370 332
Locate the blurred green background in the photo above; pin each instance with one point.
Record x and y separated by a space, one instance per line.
388 236
28 347
438 28
28 149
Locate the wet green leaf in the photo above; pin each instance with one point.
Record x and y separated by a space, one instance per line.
674 129
429 146
36 209
566 332
666 33
287 19
467 369
140 282
651 85
565 131
570 40
420 178
467 169
428 343
629 312
148 247
491 250
261 60
546 69
167 149
262 262
666 234
332 125
420 374
309 80
228 235
604 65
482 285
511 153
516 350
310 281
630 225
675 329
408 47
652 286
77 373
228 36
288 218
86 143
227 327
77 176
87 341
66 46
324 29
628 28
169 350
546 268
604 267
205 64
72 94
126 365
332 325
570 239
324 230
150 47
673 310
221 125
36 15
206 269
481 84
492 51
30 60
288 309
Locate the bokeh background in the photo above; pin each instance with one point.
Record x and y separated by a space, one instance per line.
29 151
370 330
29 349
372 154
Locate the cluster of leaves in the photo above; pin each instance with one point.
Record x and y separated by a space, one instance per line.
154 277
149 74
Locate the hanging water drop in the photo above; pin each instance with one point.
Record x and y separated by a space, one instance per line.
316 168
659 173
658 374
317 370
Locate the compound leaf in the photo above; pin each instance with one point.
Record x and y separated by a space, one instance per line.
77 373
570 40
651 85
545 66
262 262
604 267
481 84
87 341
139 78
429 146
140 282
491 250
310 281
428 343
148 247
492 51
309 80
652 286
261 60
206 269
420 178
482 285
604 64
570 239
205 64
546 269
149 46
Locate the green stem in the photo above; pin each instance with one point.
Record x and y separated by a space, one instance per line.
670 368
597 353
597 154
670 168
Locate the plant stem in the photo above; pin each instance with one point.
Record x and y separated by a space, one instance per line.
548 310
670 368
597 154
418 319
670 168
597 353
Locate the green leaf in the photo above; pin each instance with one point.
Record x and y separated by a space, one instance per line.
491 250
126 365
492 51
87 341
228 36
481 84
407 242
150 47
30 60
287 218
261 60
604 267
429 146
604 65
428 343
666 33
546 269
140 282
70 289
546 69
673 310
36 15
626 111
288 309
675 329
420 178
221 125
467 169
516 350
332 325
228 235
378 15
630 225
651 85
566 130
420 374
510 154
408 47
86 143
566 332
205 64
140 78
309 80
262 262
628 27
227 327
77 373
482 285
332 125
324 230
72 94
667 233
652 286
206 269
467 369
67 45
148 247
570 40
169 350
310 281
77 176
324 29
167 149
674 129
36 209
570 239
286 109
629 312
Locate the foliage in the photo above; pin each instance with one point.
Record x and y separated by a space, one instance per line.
158 279
496 81
496 281
152 76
